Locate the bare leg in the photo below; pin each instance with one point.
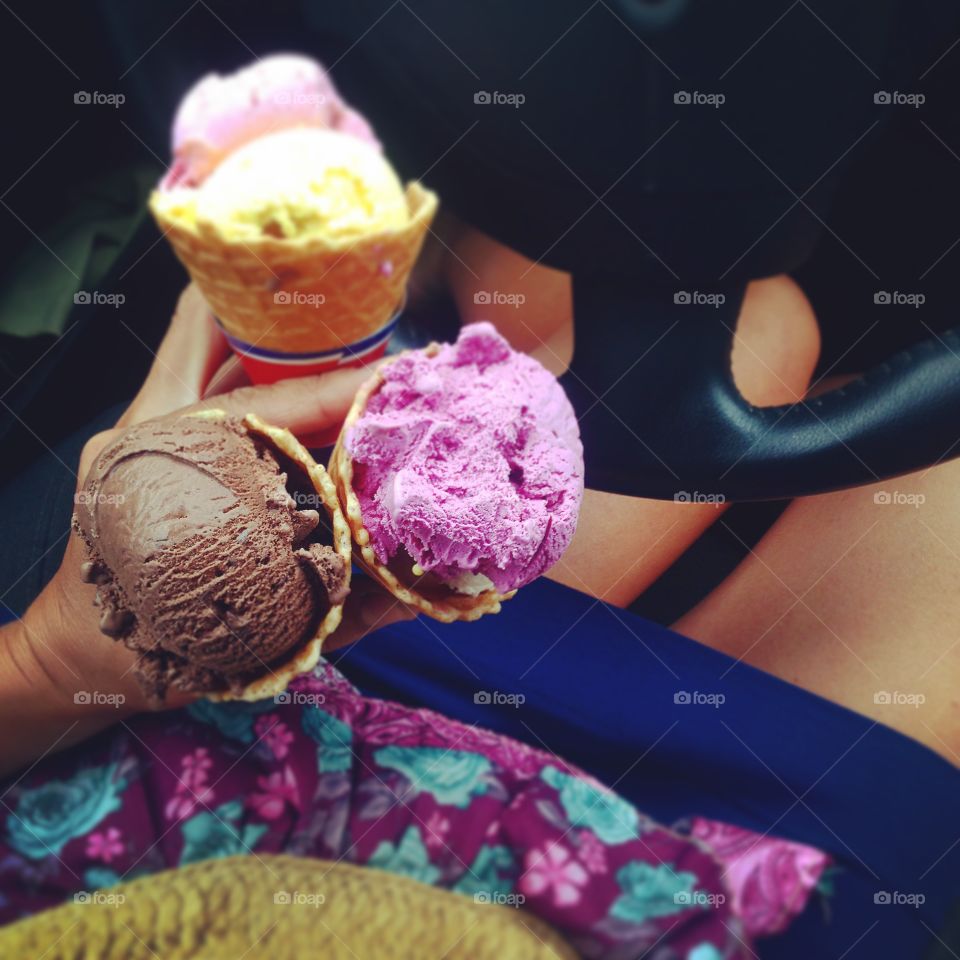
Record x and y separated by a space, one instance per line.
858 600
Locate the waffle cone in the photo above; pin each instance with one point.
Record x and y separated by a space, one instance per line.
452 606
304 294
305 658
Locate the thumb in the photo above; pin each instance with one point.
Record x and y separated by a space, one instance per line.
303 405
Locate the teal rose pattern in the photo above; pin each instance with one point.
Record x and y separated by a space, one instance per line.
409 858
234 719
451 777
333 737
492 872
99 878
651 891
49 816
218 834
610 817
705 951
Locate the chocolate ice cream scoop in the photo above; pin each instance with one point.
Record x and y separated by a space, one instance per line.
205 540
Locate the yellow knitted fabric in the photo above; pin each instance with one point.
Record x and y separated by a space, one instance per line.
280 908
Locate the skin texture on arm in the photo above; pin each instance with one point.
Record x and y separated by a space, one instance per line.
61 679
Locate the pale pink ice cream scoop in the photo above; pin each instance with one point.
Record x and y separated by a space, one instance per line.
471 461
219 114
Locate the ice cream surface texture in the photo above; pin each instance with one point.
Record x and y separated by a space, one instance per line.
220 114
470 461
297 183
205 566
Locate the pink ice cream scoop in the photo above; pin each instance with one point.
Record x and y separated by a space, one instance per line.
469 460
221 113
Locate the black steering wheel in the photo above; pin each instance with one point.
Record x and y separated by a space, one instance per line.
675 426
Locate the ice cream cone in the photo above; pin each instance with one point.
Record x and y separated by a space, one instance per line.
302 297
409 586
305 658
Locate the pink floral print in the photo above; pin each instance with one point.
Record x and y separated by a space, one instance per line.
276 791
275 734
552 869
105 846
770 880
192 790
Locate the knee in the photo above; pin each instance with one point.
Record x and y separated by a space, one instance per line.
777 343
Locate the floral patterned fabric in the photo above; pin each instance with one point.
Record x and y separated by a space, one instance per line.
323 771
770 879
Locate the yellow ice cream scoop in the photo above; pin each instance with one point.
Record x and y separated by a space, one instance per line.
297 183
